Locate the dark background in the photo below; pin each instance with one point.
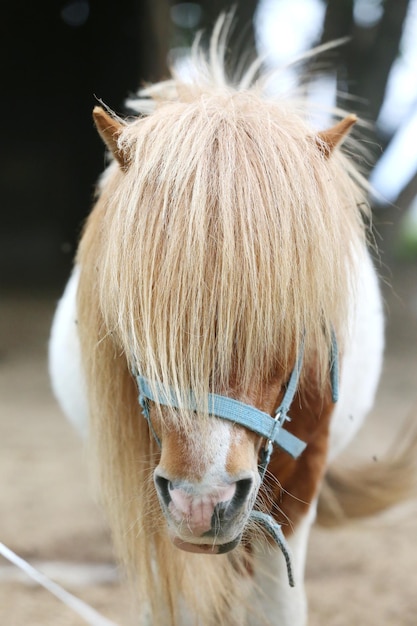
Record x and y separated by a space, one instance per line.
59 57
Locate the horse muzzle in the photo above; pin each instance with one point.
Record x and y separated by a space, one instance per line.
206 520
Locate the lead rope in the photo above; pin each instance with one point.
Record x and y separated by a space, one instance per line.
275 530
86 612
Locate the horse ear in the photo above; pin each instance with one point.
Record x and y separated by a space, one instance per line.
327 140
109 130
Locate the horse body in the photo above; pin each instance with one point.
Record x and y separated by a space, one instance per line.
226 239
360 372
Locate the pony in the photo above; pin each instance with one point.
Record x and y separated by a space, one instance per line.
223 280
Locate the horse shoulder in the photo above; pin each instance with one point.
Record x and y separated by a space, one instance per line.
65 368
362 361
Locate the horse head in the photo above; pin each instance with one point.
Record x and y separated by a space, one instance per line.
207 478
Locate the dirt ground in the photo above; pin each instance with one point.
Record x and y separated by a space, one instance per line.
364 574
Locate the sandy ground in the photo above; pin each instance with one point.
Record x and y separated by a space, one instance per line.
365 574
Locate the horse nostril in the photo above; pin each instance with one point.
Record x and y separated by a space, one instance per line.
163 486
226 510
243 489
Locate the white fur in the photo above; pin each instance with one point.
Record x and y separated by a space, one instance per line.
360 367
65 367
273 597
362 362
192 505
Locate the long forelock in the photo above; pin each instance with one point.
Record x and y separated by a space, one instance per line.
230 237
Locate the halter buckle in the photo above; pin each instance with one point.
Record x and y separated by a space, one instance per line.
279 420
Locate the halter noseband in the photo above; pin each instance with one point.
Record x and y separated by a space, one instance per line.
252 418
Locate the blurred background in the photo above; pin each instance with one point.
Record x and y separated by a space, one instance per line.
58 59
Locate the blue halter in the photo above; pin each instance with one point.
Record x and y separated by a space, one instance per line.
237 412
263 424
246 415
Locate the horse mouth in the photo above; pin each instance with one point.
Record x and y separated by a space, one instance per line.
206 548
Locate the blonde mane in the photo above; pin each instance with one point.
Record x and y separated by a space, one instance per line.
229 237
218 238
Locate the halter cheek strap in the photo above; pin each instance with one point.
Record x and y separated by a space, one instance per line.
334 367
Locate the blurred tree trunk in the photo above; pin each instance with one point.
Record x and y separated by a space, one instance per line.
338 22
366 60
242 41
244 12
371 63
157 33
407 195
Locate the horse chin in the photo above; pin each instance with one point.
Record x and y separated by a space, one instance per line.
206 548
